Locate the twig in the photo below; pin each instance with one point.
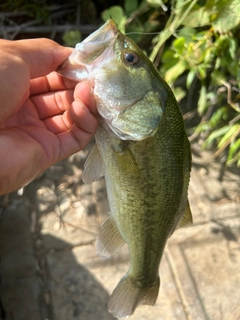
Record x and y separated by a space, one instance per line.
189 115
58 28
234 120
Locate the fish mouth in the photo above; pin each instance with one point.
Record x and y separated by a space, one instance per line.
107 31
86 53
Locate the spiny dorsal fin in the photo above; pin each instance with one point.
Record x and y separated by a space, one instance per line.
109 239
186 219
93 167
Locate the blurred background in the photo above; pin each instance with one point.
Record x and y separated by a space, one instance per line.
49 269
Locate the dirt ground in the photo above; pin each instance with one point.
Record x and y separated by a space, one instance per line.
50 271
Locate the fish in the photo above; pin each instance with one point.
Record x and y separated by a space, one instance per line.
144 154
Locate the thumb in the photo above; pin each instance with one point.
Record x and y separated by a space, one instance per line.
21 61
42 56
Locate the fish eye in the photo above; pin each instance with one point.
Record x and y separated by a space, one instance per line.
130 58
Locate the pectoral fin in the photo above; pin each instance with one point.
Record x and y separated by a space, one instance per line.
125 159
93 167
109 239
186 219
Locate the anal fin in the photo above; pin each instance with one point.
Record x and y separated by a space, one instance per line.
109 239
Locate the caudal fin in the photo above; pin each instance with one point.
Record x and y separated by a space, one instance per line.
128 295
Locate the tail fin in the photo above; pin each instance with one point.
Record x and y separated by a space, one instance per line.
128 295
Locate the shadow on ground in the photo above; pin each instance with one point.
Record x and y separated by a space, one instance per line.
28 289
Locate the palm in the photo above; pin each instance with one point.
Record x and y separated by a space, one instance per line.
47 128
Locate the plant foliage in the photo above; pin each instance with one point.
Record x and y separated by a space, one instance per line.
196 41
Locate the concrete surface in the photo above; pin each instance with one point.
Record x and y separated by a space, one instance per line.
50 271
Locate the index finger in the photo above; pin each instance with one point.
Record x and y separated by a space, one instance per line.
22 60
51 82
42 56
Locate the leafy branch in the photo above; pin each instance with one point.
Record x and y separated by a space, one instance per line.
198 43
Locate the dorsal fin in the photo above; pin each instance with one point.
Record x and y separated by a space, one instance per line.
93 167
186 219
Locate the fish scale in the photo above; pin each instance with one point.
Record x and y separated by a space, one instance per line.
142 150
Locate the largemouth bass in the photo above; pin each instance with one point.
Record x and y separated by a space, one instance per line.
143 151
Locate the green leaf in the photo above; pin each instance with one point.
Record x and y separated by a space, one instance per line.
130 6
117 14
71 38
179 43
168 61
209 56
233 130
202 72
202 102
197 18
188 34
218 77
173 73
203 127
216 134
190 77
228 16
234 150
232 47
168 56
179 93
218 115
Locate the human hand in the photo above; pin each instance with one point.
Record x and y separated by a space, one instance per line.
44 118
